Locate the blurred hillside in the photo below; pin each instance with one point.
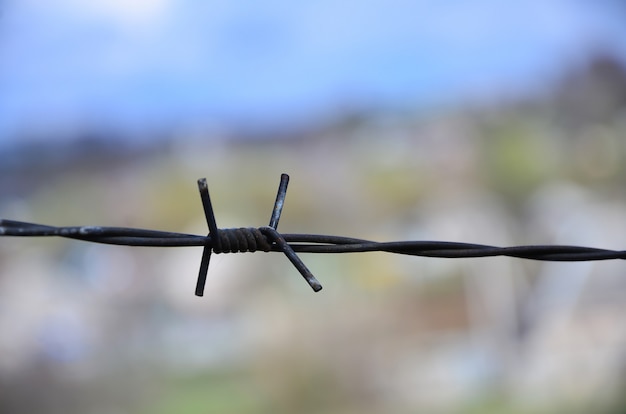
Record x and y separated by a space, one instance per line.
90 328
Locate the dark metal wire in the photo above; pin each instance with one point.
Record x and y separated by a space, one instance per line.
267 238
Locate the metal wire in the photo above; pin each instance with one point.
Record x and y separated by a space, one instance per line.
267 238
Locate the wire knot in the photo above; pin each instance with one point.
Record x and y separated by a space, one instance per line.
241 240
248 239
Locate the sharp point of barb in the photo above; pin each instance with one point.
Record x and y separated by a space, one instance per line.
267 238
280 201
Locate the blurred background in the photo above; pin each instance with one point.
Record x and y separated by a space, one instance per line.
474 121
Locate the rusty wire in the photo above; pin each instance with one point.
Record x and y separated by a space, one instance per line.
267 238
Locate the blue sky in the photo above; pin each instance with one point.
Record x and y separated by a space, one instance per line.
147 64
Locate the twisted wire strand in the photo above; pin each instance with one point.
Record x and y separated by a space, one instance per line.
267 238
250 239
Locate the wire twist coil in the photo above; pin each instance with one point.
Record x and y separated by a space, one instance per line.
242 240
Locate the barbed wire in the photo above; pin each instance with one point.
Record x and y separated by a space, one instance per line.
268 239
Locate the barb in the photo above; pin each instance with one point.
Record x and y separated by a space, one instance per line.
268 239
